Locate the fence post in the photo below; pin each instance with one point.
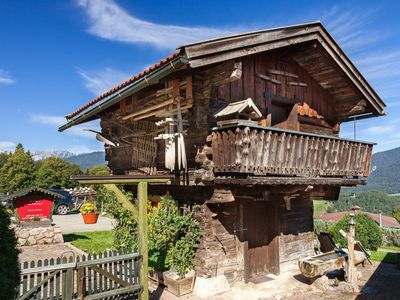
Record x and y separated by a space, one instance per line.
142 222
81 283
67 284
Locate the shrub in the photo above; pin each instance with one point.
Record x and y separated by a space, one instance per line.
321 226
367 231
391 237
9 269
173 237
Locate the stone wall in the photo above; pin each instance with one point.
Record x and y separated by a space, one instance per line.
28 236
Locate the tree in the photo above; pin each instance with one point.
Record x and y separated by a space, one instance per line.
98 170
9 271
18 172
3 158
54 172
396 212
367 231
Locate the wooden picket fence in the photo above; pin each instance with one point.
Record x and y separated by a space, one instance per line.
109 275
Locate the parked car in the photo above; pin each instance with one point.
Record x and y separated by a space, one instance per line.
63 205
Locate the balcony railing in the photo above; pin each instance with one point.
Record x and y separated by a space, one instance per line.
265 151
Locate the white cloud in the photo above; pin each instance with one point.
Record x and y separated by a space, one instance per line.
57 121
348 27
7 146
380 129
5 78
109 21
98 82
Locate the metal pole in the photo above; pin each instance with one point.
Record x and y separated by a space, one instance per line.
143 250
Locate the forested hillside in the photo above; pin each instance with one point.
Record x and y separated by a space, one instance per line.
385 173
371 201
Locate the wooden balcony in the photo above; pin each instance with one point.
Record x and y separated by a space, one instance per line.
266 151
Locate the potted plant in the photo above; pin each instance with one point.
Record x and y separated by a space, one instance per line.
173 240
89 213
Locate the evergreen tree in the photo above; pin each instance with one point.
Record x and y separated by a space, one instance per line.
18 172
54 172
3 158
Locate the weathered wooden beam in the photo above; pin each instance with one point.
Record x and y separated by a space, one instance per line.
282 73
149 109
290 180
128 205
143 238
267 78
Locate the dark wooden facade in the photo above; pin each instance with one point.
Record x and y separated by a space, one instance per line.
255 179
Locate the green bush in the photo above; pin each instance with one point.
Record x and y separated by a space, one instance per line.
9 269
367 231
125 229
173 237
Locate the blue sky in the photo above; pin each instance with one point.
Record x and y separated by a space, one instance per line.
57 55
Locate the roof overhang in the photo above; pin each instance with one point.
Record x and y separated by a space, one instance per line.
134 87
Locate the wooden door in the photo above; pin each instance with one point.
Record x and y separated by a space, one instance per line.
262 236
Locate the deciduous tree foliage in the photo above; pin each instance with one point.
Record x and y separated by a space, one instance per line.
367 231
396 212
9 271
55 172
98 170
18 172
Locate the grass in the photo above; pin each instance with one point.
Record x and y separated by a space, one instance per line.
386 257
91 242
320 207
390 248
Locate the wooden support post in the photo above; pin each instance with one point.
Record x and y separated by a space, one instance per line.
352 271
81 283
67 287
143 238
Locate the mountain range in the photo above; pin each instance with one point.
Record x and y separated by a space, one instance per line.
84 160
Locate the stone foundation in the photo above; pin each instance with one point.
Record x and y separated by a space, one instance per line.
28 236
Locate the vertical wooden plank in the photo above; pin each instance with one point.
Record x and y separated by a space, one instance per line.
25 279
122 107
57 281
259 84
189 90
45 284
142 230
32 276
248 77
38 279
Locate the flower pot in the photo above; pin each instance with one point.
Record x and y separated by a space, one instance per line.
179 286
90 218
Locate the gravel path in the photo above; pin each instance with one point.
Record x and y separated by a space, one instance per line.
74 223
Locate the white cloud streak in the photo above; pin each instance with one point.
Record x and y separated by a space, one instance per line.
109 21
7 146
99 81
348 27
5 78
57 121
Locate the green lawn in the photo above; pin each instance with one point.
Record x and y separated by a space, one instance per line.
320 207
91 242
387 257
390 248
